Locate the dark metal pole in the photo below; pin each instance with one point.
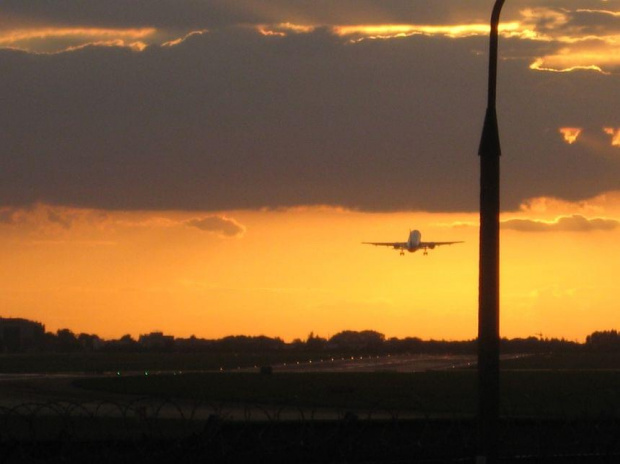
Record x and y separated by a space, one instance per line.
488 290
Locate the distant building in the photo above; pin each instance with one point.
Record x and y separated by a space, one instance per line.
17 335
156 341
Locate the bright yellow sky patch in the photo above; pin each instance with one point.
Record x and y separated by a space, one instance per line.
615 135
283 29
575 62
172 43
400 30
570 134
54 39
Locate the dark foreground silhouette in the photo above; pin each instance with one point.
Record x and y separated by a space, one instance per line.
351 439
24 336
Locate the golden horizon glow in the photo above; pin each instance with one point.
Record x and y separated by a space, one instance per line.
175 42
615 135
581 51
290 271
28 39
54 40
577 54
570 134
607 12
19 35
283 29
402 30
539 65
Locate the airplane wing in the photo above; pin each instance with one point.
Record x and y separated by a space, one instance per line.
434 244
397 245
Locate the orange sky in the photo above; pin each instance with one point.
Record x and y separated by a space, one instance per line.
176 124
290 272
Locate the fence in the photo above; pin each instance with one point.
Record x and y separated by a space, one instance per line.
158 430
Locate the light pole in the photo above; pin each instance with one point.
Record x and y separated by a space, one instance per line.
488 286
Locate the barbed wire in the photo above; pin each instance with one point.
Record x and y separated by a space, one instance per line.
194 431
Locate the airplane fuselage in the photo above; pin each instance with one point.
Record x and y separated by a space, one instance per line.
413 243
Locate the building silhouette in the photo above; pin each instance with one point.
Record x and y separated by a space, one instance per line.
19 335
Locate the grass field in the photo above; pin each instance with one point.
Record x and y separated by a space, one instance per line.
384 390
578 394
553 406
550 385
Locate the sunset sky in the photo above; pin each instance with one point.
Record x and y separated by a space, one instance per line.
211 167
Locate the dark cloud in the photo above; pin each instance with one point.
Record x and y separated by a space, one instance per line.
191 14
238 120
184 15
174 14
601 21
218 224
575 223
63 219
233 119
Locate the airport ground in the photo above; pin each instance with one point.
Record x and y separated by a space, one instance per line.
365 409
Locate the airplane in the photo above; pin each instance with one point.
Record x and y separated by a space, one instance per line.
414 243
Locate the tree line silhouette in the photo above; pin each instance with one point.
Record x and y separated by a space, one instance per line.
350 341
